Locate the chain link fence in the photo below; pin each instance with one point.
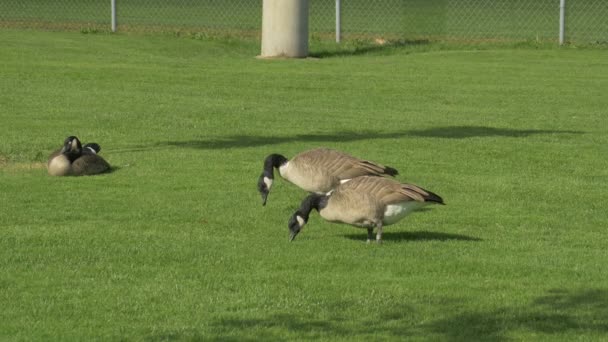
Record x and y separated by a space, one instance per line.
473 20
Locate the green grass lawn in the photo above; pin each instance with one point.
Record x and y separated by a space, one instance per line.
175 244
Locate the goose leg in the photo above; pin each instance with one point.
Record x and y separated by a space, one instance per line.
370 234
379 232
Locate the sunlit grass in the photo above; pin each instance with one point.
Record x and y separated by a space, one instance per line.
175 244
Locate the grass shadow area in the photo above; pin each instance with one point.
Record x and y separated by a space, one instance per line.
113 169
448 132
358 47
558 312
463 132
279 327
414 236
270 328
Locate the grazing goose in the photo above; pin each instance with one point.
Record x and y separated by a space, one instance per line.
75 160
318 170
366 202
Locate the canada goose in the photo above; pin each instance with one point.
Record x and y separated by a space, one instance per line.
60 161
74 159
367 202
318 170
92 147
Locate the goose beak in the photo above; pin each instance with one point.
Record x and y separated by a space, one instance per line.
292 235
264 197
264 184
294 226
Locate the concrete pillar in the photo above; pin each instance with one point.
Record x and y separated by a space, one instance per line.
285 28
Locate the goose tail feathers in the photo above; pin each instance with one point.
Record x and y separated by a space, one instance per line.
390 171
433 197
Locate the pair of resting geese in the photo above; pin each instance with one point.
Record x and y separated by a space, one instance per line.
73 159
345 189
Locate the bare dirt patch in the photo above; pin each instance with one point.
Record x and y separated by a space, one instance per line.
9 166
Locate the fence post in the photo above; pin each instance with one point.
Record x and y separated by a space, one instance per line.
562 21
113 8
285 28
338 21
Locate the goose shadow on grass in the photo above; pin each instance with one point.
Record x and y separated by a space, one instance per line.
414 236
113 169
448 132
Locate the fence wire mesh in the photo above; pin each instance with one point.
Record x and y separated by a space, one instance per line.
586 20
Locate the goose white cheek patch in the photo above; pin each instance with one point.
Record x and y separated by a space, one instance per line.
301 221
268 182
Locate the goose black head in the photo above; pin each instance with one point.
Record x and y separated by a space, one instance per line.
72 148
92 148
264 184
296 223
298 220
271 162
